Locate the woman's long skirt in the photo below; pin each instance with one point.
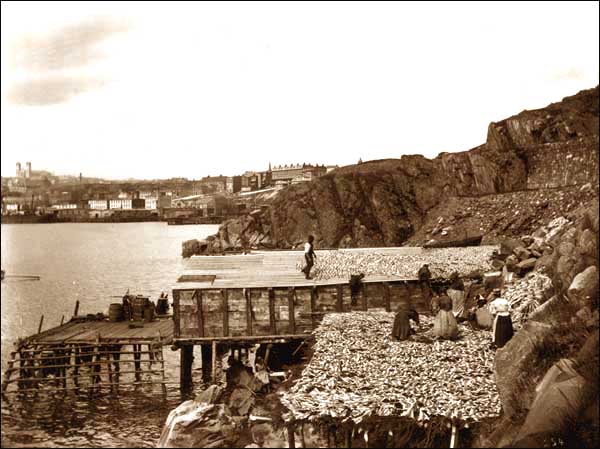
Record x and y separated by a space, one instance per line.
444 325
503 330
401 329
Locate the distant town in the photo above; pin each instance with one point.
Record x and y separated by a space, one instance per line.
39 196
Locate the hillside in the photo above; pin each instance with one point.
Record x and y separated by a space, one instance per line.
534 166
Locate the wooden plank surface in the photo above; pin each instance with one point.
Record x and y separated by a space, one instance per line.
280 268
88 331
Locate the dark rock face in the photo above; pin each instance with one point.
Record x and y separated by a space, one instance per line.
389 202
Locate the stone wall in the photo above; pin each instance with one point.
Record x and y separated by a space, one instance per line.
562 164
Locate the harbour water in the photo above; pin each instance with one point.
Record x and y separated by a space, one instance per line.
89 262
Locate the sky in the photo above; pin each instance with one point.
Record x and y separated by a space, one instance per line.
158 90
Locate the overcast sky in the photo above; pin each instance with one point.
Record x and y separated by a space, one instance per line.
160 90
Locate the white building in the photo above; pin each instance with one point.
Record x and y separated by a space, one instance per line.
98 204
64 206
123 203
151 203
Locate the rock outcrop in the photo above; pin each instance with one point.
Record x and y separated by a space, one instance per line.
533 166
551 364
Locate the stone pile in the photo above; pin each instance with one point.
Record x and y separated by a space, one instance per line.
527 294
442 263
530 252
357 371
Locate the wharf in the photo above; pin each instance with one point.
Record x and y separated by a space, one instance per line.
75 332
88 354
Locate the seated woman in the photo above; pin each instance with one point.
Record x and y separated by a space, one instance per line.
444 324
402 329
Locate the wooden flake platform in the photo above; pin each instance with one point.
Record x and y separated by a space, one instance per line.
262 269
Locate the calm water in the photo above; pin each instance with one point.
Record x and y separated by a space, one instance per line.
88 262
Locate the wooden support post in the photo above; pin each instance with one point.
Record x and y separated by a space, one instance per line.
137 356
272 320
62 320
214 362
339 305
454 436
40 325
313 306
291 438
95 369
116 359
76 308
200 315
206 362
291 309
386 295
248 296
225 308
365 304
185 368
268 353
176 317
76 370
302 435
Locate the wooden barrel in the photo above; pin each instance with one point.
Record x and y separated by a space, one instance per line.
138 305
148 314
115 312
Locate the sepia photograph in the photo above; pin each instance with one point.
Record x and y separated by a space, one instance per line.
300 224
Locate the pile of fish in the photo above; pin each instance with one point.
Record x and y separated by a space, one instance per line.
357 371
442 262
527 294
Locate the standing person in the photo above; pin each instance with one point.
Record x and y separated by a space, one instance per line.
127 312
424 273
444 324
502 330
309 256
402 329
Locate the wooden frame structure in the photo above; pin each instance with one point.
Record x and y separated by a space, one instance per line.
238 317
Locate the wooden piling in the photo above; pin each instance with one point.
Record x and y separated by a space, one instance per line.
40 325
76 308
214 362
185 368
137 356
454 436
291 437
206 353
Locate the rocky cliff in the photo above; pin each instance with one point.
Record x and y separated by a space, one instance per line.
547 373
396 201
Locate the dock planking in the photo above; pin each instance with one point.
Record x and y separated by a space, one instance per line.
89 331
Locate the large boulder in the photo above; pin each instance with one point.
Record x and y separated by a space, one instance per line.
190 248
585 286
526 265
522 253
508 245
510 363
558 401
199 424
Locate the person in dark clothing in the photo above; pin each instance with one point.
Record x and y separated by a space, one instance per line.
424 273
309 256
402 329
355 286
127 312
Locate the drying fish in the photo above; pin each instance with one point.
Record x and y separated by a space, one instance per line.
381 377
